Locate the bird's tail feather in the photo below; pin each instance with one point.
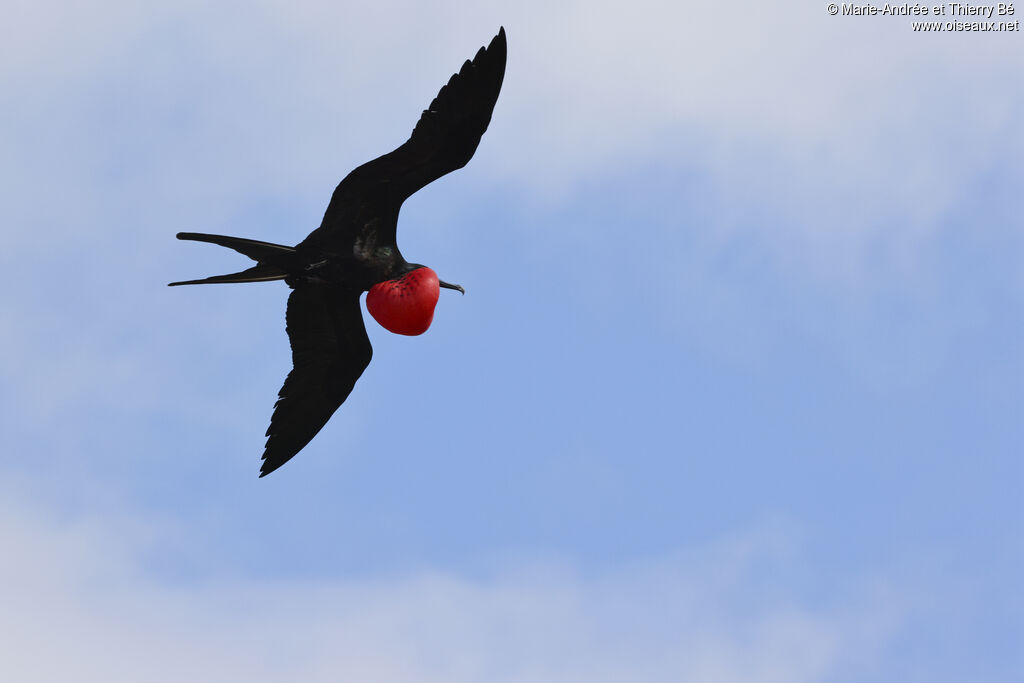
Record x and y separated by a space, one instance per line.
259 273
274 260
264 252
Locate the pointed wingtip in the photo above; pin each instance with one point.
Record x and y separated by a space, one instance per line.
266 468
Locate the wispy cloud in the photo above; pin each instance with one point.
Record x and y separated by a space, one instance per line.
81 605
706 167
778 106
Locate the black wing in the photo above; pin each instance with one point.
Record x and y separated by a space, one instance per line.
443 140
330 350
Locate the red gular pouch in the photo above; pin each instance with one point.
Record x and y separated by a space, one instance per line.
406 305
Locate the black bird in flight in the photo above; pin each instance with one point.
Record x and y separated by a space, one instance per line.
354 250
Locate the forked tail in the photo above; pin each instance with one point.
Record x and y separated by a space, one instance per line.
273 260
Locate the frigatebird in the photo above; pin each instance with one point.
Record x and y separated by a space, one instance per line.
355 250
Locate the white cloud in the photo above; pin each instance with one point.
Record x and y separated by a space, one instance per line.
155 118
124 124
79 604
787 110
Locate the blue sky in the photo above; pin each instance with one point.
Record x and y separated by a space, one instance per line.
735 392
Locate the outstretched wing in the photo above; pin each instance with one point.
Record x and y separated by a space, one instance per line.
330 350
444 139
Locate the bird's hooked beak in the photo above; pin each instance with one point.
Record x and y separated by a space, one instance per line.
448 285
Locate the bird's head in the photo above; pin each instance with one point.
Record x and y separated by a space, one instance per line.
405 305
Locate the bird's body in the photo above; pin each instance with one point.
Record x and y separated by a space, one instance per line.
355 250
